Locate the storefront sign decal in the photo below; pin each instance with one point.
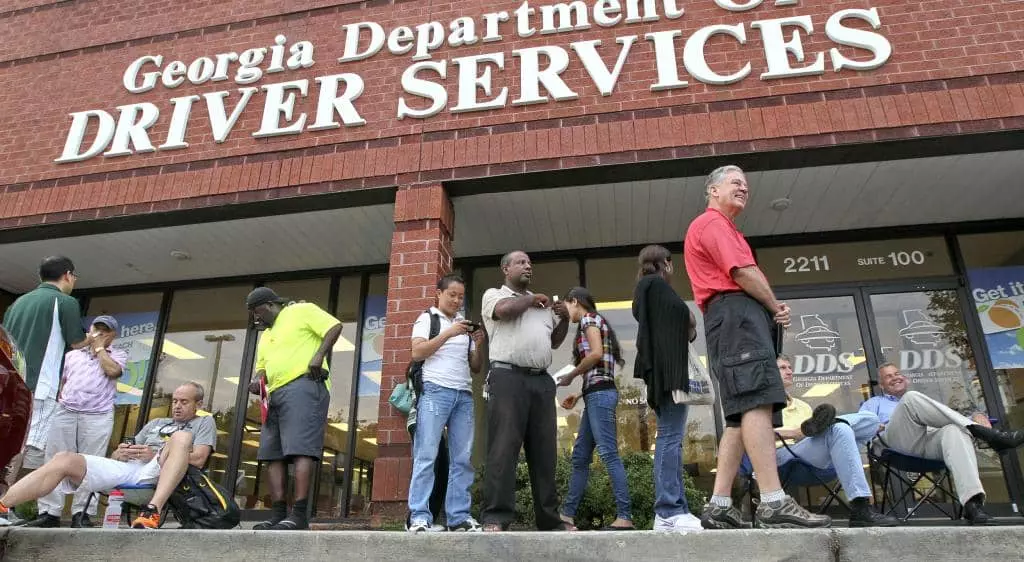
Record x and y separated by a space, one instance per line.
425 82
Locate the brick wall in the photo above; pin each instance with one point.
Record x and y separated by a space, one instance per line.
421 253
956 67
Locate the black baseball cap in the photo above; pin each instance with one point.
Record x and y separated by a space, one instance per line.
262 295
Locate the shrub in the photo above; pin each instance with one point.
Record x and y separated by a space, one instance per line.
597 507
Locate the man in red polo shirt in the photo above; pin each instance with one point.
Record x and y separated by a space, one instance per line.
741 321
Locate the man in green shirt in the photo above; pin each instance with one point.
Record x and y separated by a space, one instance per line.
46 322
291 362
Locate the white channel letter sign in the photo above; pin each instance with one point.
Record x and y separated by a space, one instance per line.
125 129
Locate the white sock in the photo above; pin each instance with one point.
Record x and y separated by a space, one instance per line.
721 501
776 496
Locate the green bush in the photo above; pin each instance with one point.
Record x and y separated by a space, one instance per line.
597 508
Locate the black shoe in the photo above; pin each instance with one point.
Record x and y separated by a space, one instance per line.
44 521
974 514
269 523
293 522
1000 441
866 516
81 520
823 417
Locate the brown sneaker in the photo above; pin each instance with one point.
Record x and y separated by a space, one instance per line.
787 514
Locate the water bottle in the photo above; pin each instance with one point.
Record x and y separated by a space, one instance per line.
112 517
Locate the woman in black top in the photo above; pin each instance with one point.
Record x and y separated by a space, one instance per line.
595 353
666 324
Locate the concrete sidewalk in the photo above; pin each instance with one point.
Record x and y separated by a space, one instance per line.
928 543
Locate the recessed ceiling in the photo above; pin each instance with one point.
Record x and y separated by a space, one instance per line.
293 242
942 189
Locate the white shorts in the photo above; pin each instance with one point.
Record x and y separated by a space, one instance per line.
103 474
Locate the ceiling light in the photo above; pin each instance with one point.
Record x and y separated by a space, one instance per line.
781 204
181 255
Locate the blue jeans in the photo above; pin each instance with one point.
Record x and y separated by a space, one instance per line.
439 407
598 429
669 493
838 449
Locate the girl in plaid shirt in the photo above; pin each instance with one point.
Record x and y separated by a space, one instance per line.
596 352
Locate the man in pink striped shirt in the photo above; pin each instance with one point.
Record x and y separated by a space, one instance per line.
84 418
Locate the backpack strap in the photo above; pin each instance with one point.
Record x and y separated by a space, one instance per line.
435 325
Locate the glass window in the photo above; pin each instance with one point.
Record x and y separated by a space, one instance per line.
204 343
825 345
549 278
6 300
332 465
368 391
856 261
923 333
612 281
995 271
138 316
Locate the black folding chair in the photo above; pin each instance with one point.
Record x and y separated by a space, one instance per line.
901 475
797 473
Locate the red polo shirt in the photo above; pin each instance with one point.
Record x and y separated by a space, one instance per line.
712 249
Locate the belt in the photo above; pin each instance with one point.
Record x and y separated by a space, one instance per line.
721 295
511 367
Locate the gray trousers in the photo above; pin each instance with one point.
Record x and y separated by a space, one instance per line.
88 434
925 428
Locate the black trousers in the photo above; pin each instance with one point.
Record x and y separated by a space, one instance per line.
437 495
520 412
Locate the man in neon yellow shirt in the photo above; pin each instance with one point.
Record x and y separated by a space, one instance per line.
291 361
826 441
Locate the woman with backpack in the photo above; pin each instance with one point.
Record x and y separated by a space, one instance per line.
596 352
665 326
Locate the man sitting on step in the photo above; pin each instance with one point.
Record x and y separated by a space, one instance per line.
160 455
915 424
826 441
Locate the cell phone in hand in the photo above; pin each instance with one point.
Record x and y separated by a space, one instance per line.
473 326
128 440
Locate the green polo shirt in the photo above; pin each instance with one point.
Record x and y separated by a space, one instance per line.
30 321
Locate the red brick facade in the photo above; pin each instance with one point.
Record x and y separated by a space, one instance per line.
957 68
421 253
954 68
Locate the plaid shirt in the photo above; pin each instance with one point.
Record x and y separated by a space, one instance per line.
602 375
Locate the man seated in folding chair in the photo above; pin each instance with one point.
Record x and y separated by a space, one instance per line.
828 442
161 455
915 424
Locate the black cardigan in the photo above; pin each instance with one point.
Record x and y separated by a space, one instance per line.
661 339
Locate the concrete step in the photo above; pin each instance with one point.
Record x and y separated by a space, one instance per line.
856 545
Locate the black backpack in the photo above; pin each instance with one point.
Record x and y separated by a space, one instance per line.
414 371
199 503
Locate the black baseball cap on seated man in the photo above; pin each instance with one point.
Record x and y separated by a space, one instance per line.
262 295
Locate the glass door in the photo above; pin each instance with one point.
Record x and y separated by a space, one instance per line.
825 344
924 334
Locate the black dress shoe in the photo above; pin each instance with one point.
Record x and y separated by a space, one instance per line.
81 520
974 514
44 521
823 417
866 516
1000 441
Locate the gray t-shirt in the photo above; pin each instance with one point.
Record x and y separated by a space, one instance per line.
158 431
524 341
